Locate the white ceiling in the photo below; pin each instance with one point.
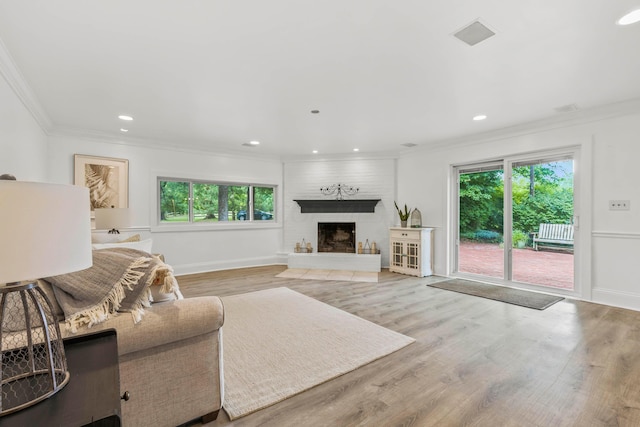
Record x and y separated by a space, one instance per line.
219 73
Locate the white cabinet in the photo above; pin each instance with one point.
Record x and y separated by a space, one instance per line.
411 251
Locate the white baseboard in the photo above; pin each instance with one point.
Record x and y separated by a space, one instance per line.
205 267
616 298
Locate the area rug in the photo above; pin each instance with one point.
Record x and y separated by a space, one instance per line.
499 293
317 274
278 343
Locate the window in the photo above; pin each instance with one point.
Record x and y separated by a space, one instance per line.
263 203
184 201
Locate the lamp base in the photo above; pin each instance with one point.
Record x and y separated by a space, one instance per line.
33 362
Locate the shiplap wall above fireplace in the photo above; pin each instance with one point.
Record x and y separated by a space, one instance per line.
376 179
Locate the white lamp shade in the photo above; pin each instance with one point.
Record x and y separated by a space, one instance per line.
45 230
109 218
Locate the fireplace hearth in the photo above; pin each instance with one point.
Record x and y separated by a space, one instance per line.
337 237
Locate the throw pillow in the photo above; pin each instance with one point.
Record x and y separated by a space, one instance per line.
158 296
164 286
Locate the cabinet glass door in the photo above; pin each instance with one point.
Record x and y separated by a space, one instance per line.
396 254
413 256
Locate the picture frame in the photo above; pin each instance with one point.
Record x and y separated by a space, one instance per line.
107 179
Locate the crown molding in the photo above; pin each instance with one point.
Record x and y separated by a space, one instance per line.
21 88
16 81
156 144
564 120
374 155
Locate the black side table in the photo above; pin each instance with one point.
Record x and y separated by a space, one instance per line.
92 396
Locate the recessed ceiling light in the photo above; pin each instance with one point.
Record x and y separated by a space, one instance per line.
479 117
127 118
630 18
251 144
315 151
315 111
356 149
124 130
566 108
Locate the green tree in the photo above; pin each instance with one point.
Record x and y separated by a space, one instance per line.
552 208
542 193
552 198
223 203
263 198
481 201
174 199
205 201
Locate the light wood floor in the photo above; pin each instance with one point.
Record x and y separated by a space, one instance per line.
475 362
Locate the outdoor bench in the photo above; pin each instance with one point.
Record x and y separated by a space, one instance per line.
554 235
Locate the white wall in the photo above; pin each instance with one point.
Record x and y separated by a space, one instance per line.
23 144
376 179
610 240
610 148
616 234
192 248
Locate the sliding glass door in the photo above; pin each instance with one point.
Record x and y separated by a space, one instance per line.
542 223
481 206
515 221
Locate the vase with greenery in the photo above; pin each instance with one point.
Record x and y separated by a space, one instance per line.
404 216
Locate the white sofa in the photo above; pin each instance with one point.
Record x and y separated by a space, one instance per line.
171 361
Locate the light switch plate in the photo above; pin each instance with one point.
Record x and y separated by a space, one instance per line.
619 205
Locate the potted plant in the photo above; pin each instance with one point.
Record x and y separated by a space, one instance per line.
519 239
404 216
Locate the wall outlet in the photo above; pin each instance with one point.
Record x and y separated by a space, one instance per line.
619 205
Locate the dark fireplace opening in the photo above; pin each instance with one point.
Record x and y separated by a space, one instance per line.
337 237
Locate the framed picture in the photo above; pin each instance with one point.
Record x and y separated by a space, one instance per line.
106 178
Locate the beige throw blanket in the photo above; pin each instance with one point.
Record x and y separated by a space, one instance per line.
119 280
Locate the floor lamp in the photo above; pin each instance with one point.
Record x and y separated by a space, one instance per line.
46 231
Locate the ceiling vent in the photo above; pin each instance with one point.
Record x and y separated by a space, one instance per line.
474 33
567 108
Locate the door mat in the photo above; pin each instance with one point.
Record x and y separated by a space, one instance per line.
499 293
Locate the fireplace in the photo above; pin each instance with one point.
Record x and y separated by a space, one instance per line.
337 237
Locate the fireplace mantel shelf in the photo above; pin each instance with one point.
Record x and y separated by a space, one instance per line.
338 206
